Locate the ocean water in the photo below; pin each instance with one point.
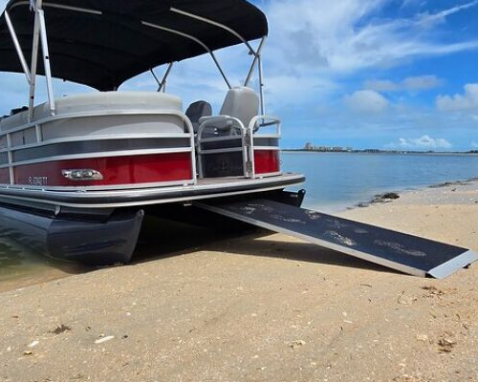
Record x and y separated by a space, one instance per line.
336 181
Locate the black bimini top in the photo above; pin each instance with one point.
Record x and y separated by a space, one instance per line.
102 43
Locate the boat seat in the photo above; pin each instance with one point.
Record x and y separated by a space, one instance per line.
116 100
242 103
18 110
101 101
198 110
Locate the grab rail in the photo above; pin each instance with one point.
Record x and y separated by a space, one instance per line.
256 124
247 135
222 123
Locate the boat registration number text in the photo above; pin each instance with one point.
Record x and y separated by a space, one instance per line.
38 180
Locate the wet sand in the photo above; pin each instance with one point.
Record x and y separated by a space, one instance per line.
262 307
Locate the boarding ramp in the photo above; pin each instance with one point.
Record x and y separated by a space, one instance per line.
405 253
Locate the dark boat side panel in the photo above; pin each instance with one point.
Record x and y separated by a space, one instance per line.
96 243
31 229
98 240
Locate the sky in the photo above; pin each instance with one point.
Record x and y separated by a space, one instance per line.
386 74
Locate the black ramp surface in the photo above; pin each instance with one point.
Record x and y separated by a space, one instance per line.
403 252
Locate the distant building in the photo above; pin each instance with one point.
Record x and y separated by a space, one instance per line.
309 146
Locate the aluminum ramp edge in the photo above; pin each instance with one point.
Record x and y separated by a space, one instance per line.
440 271
447 269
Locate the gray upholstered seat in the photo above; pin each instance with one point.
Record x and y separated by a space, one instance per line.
241 103
101 101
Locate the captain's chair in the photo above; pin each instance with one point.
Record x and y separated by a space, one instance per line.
241 103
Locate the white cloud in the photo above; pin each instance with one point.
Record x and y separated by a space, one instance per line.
474 145
429 20
423 143
467 101
408 84
349 36
366 101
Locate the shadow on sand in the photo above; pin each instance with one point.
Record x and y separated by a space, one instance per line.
161 239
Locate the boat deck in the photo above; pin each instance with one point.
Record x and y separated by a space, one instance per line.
204 189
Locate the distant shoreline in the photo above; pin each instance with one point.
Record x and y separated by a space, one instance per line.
472 153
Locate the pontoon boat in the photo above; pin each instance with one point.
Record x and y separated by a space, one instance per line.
78 172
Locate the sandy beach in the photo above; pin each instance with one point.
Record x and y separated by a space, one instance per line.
261 307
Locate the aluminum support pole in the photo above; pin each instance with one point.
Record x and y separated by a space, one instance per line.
18 48
213 56
34 62
254 62
155 78
215 23
46 61
261 86
162 85
192 38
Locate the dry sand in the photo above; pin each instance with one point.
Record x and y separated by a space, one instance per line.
263 307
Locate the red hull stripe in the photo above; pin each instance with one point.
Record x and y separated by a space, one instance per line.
266 161
115 170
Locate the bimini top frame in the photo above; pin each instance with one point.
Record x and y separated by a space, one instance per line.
104 43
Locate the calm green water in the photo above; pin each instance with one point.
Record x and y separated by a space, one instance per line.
19 263
336 181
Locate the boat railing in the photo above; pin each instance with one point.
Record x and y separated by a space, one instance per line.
263 146
25 143
222 138
238 150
